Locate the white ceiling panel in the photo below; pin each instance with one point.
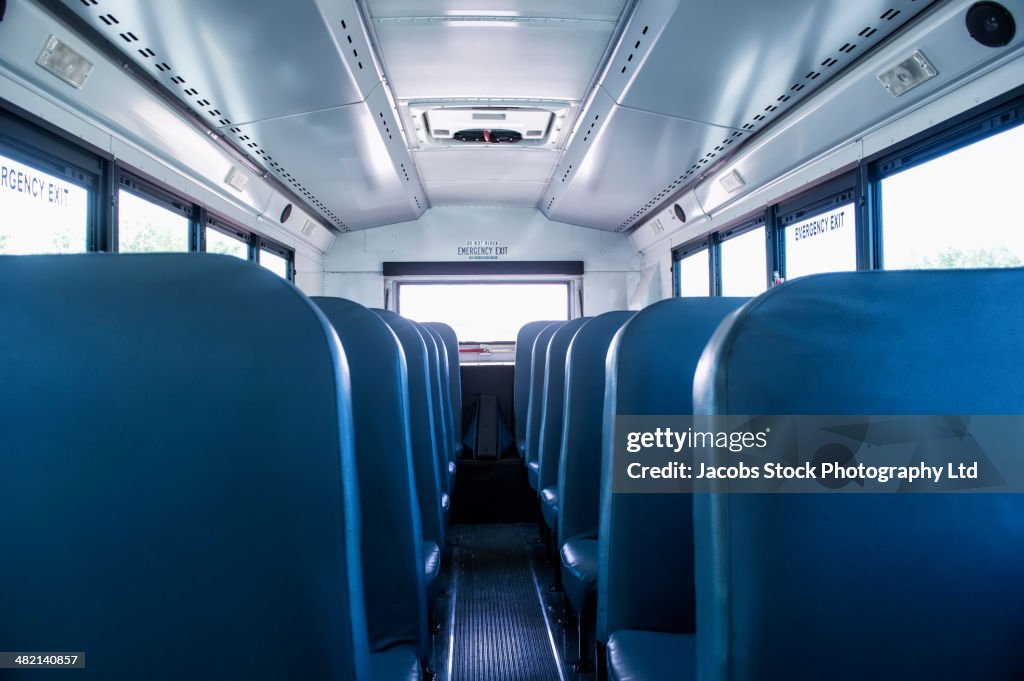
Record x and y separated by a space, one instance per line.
685 99
311 107
208 53
495 163
788 49
339 159
505 51
596 10
630 155
491 58
521 194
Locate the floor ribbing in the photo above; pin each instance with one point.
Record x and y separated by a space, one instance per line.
500 632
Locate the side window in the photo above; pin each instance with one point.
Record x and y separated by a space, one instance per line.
145 226
693 273
226 244
42 212
744 260
960 210
823 242
274 262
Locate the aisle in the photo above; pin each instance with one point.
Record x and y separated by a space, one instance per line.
500 633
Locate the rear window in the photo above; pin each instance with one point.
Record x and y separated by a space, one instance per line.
481 312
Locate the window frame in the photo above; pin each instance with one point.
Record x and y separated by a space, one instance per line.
739 228
28 140
261 243
131 182
683 252
991 118
218 224
485 271
572 286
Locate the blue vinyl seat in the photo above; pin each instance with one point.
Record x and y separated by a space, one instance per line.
855 586
424 445
392 538
523 375
651 656
177 484
454 376
646 545
579 477
536 402
445 413
440 421
549 452
397 664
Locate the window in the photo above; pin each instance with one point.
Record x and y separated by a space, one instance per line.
484 312
826 242
226 244
744 259
274 262
959 210
58 196
693 274
42 213
147 227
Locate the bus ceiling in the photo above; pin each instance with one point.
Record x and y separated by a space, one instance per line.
598 113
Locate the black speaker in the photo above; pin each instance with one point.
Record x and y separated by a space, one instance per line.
990 24
678 210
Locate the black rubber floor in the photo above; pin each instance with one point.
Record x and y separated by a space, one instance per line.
500 632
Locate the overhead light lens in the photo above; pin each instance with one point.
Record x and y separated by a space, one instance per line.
62 61
907 74
235 179
732 181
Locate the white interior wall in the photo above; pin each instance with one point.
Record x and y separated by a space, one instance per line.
353 265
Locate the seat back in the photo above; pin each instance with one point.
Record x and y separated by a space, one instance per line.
451 344
442 403
392 537
549 451
645 568
579 477
536 404
523 375
854 586
421 425
177 471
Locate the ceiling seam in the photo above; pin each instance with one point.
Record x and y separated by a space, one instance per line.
618 35
660 114
377 54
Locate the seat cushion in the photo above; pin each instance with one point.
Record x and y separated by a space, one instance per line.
533 474
396 664
651 656
549 506
579 569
